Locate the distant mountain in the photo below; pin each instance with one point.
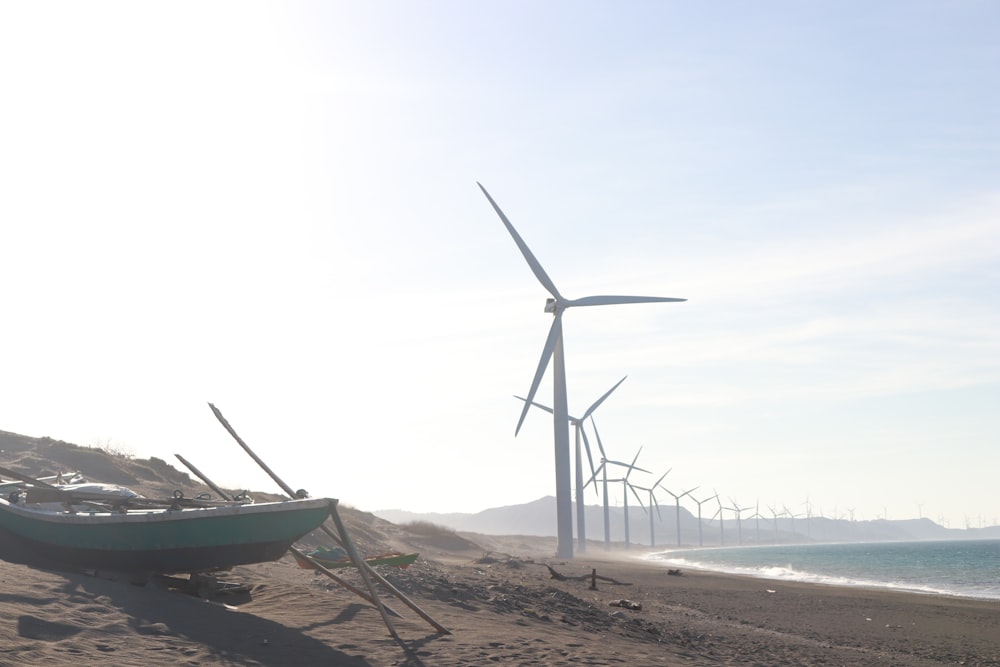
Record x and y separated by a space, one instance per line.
539 518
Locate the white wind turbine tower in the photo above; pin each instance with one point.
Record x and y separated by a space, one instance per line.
701 542
581 434
554 349
677 501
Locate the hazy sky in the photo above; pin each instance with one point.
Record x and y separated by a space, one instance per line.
273 207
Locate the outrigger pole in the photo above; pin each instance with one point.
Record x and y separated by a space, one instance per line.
346 584
344 540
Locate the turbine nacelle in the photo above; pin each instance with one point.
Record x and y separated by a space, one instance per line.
550 305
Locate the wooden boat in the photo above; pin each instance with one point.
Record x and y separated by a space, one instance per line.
172 536
335 558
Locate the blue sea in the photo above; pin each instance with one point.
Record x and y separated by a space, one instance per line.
962 568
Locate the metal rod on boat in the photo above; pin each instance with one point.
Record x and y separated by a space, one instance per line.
349 586
363 568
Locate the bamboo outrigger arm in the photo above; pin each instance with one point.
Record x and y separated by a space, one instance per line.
344 540
317 566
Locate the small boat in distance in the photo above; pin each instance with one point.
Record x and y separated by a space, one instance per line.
84 529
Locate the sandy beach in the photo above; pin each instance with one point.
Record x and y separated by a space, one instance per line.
502 606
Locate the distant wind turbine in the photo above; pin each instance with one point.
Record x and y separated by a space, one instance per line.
756 518
626 487
792 517
677 501
553 349
653 503
722 520
701 542
581 435
775 514
603 471
737 510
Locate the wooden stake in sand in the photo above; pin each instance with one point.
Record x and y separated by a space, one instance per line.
344 540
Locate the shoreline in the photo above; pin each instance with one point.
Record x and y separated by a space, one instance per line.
860 585
827 572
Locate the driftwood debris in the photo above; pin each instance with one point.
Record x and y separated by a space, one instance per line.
593 577
627 604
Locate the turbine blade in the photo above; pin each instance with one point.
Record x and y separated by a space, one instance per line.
598 435
661 479
633 466
636 458
550 345
593 478
533 263
535 403
586 445
636 494
608 300
597 403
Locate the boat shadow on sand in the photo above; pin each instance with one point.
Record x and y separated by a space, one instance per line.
94 616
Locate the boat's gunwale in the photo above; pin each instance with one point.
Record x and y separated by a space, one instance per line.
165 514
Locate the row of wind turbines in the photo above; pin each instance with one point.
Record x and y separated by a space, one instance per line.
557 304
582 445
553 351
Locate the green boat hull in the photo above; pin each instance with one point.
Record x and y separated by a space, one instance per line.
158 541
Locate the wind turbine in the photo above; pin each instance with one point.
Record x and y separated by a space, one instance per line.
677 500
792 517
701 542
603 471
553 349
775 514
581 434
722 520
603 468
736 509
653 503
809 517
756 518
626 487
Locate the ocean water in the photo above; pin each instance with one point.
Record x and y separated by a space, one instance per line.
963 568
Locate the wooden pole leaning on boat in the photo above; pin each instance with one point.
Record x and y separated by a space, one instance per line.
346 584
366 571
200 475
27 479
